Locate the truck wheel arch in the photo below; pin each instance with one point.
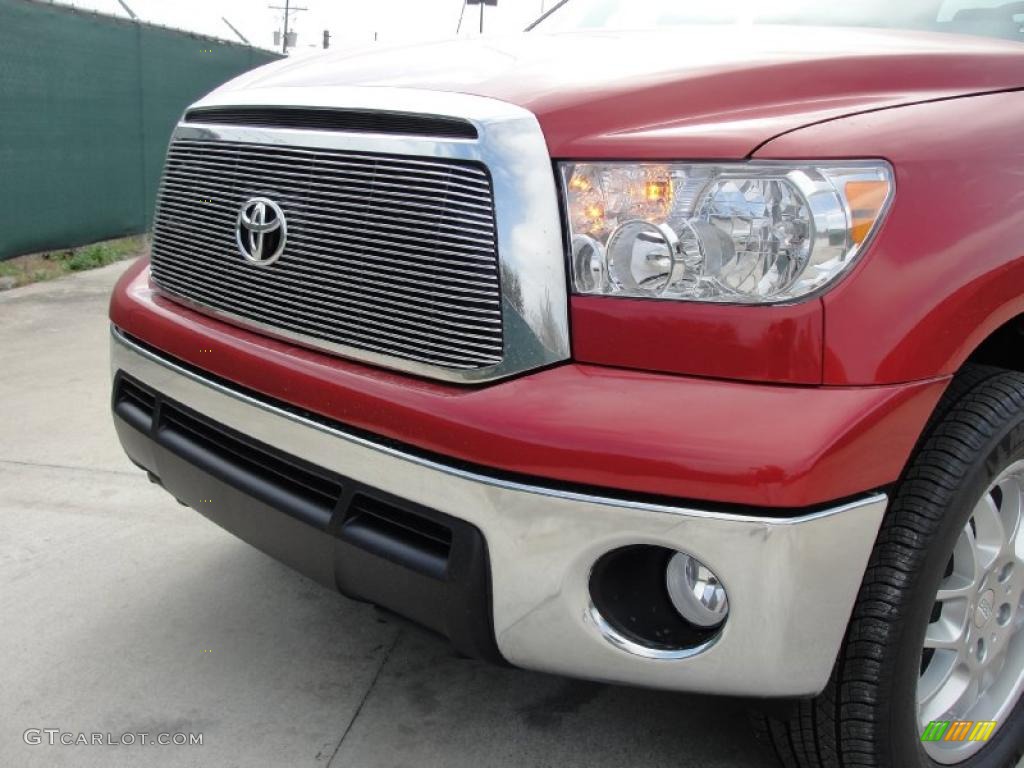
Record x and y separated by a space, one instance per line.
999 343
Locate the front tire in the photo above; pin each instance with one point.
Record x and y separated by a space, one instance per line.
937 632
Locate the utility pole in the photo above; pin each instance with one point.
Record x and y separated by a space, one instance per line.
288 11
481 3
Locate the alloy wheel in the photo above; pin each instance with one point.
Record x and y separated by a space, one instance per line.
972 664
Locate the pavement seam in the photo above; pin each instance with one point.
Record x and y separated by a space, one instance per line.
43 465
366 695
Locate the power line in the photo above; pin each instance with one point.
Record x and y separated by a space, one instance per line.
233 29
129 10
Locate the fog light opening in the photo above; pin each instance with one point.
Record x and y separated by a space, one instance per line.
696 591
629 594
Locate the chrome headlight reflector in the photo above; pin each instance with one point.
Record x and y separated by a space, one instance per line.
747 233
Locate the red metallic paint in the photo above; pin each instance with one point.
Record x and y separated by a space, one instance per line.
728 442
947 268
778 344
712 92
943 273
720 92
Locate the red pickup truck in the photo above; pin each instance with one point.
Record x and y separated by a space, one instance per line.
668 344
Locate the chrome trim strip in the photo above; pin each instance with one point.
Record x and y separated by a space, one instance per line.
619 640
534 304
792 582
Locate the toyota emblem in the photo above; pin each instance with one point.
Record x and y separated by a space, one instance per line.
261 232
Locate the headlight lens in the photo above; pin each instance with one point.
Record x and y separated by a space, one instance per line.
741 233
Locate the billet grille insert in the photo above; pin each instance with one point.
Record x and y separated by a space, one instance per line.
393 255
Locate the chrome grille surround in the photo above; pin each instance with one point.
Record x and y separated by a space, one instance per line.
456 273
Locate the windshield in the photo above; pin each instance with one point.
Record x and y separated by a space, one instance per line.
990 18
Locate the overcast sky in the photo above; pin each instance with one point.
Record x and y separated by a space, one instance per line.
351 22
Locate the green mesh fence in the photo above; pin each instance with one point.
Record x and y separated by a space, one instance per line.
87 105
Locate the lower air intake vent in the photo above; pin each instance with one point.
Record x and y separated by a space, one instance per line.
134 404
398 535
306 495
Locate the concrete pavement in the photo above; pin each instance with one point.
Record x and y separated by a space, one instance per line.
124 612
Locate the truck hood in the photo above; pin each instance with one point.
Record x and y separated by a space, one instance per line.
686 92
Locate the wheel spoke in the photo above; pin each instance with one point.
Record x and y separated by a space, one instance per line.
989 535
940 693
945 635
1010 505
955 587
966 565
968 697
935 677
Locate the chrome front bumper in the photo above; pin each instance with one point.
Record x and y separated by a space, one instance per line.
792 582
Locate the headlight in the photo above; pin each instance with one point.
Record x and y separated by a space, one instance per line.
742 233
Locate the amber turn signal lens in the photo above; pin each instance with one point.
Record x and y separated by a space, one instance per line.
580 184
866 199
657 191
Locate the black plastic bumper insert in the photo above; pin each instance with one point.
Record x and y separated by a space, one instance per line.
370 545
